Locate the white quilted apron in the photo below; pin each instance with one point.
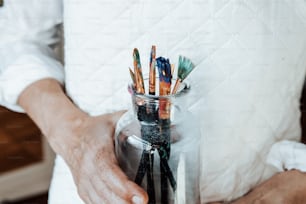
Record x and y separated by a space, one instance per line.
251 63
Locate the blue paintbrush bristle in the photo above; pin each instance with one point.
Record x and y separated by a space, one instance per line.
185 66
164 69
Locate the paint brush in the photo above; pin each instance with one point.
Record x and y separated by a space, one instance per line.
172 69
185 66
149 133
152 75
146 113
132 76
138 72
165 77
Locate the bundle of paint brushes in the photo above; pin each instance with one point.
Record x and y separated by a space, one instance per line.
157 115
165 70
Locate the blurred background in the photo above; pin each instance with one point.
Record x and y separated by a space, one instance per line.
26 160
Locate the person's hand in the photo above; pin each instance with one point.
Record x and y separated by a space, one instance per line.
288 187
94 167
86 143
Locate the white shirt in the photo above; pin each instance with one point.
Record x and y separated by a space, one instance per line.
27 28
250 58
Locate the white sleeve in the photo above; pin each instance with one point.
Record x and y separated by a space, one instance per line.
288 155
28 30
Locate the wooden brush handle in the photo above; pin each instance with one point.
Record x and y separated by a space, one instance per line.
176 86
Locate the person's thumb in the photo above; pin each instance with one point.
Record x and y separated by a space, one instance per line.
139 195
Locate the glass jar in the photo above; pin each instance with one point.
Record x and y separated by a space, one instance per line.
157 146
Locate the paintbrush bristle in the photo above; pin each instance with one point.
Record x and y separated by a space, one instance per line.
164 69
185 66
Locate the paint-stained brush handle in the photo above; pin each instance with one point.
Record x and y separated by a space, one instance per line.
138 72
152 75
132 76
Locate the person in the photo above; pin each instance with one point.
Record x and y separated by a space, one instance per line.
251 63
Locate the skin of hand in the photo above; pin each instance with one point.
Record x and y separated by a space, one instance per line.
288 187
85 142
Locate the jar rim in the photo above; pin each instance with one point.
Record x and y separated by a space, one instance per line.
184 88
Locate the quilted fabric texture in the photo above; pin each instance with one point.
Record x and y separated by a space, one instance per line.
251 63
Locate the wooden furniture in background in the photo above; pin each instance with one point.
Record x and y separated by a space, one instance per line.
20 141
40 199
26 160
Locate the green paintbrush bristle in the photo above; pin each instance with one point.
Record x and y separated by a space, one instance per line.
185 66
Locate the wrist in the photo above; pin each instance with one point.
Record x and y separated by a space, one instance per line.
65 135
56 116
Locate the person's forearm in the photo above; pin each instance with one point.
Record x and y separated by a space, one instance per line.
57 117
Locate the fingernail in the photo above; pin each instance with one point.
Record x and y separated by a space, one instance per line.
137 200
